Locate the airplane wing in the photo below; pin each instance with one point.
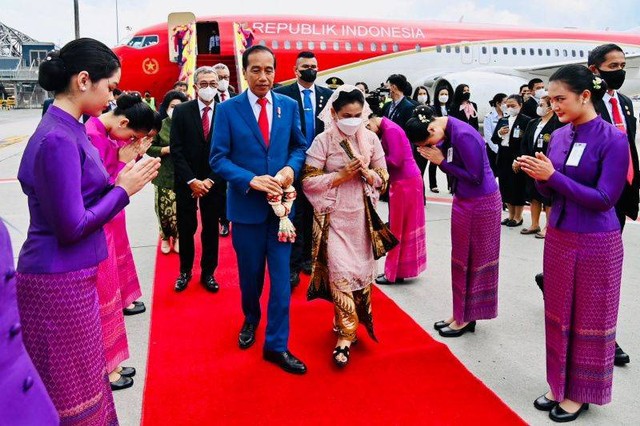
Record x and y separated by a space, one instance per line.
633 61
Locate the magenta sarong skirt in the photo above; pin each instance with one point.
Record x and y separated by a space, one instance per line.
475 255
129 284
407 221
582 276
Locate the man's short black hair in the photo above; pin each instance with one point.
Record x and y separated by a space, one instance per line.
253 49
598 55
533 82
399 80
306 54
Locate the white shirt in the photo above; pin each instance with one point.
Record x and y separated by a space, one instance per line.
253 101
227 96
490 123
607 102
312 95
201 106
214 41
443 110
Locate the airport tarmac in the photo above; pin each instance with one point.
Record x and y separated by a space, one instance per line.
507 353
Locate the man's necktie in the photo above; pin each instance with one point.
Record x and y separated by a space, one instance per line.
309 119
619 123
263 120
223 96
206 124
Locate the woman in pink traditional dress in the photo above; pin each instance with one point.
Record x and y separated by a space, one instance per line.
344 267
117 278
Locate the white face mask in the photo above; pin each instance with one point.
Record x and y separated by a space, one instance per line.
423 99
223 85
349 126
513 111
541 111
503 108
169 112
540 93
443 99
206 94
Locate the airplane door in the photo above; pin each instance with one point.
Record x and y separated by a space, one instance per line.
467 54
484 54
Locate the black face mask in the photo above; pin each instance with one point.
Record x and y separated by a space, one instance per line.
466 96
614 79
308 75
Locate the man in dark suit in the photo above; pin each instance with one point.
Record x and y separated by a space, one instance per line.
608 61
196 186
259 149
311 99
400 108
536 88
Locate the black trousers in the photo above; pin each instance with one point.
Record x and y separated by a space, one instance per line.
223 203
303 221
210 211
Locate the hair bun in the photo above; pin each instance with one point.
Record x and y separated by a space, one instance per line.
599 87
128 99
52 73
423 110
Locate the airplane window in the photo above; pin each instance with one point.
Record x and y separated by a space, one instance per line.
495 50
299 45
262 43
274 44
539 52
573 53
582 53
524 51
374 47
395 47
347 46
150 40
360 46
484 50
287 44
438 48
466 49
383 47
457 49
323 45
514 51
336 45
448 49
532 51
135 41
311 45
557 52
505 50
548 52
564 51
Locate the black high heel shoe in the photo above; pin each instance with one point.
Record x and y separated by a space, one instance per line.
450 332
344 350
440 325
559 415
543 403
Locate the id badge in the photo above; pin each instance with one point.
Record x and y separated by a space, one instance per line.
576 154
450 155
516 132
540 141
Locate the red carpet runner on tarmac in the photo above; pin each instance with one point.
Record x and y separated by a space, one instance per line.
197 375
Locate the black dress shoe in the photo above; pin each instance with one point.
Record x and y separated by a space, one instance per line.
381 279
540 281
182 281
450 332
440 325
122 383
294 279
138 308
435 190
621 357
286 361
210 283
543 403
247 335
127 372
307 267
505 221
557 414
224 230
513 223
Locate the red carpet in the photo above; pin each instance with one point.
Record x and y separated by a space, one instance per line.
197 375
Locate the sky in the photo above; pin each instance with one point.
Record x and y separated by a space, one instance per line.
52 20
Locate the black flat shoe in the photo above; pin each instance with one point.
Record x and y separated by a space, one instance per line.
210 283
450 332
558 415
621 357
338 350
434 190
285 360
543 403
182 281
440 325
122 383
138 308
381 279
540 281
224 230
127 372
513 223
506 221
247 336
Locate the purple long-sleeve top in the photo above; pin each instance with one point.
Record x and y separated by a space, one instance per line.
470 164
69 197
107 147
584 196
397 149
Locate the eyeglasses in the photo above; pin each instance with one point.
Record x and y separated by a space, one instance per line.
205 84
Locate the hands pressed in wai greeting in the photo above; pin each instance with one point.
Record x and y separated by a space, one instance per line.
538 167
431 153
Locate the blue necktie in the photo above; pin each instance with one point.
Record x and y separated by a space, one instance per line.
309 119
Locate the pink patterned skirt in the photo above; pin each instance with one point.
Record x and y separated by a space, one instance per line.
475 255
129 284
582 276
407 222
61 325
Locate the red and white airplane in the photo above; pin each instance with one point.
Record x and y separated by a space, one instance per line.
489 58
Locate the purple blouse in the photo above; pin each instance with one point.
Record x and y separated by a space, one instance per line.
470 164
584 196
69 198
398 154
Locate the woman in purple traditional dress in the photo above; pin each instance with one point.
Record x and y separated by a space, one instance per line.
584 174
130 121
460 152
70 198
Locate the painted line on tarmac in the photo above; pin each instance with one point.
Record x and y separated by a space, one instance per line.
12 140
8 180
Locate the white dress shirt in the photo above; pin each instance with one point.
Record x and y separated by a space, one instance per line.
607 102
490 123
312 95
201 107
253 101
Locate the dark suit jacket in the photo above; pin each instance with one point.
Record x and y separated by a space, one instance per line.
322 97
217 100
628 202
189 149
506 154
529 108
401 114
529 145
454 111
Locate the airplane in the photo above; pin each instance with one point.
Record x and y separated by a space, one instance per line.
490 58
